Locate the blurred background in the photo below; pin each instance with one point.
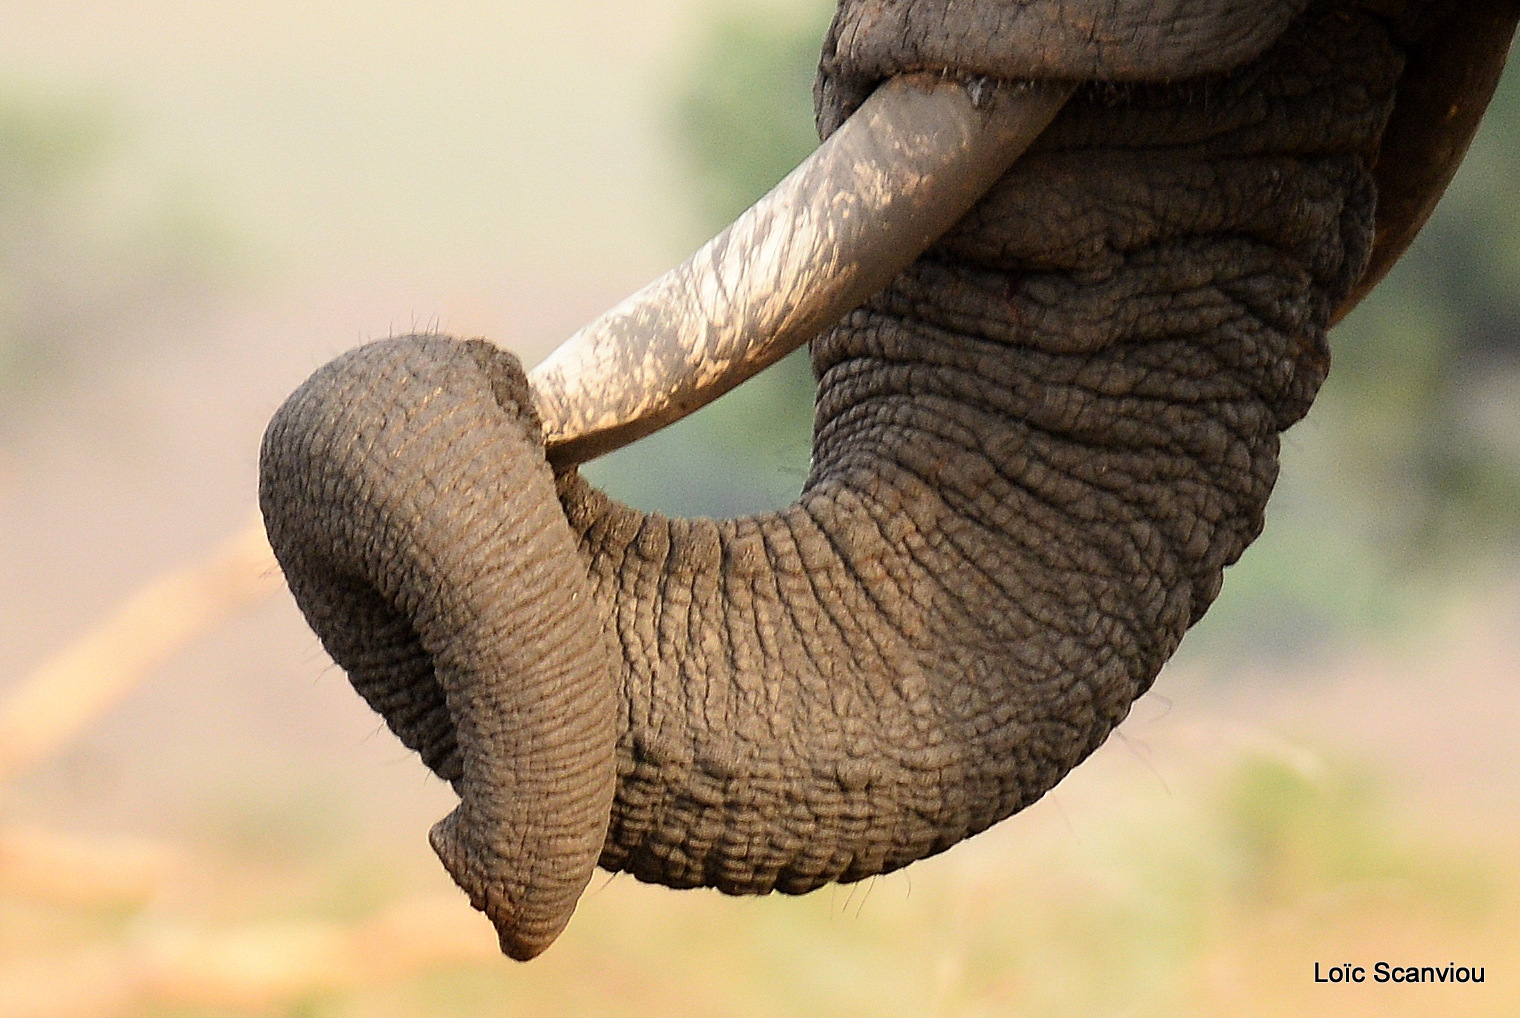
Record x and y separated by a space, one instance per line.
200 203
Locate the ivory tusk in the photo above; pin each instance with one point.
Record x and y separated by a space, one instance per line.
901 171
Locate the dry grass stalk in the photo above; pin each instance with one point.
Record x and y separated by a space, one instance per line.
68 692
69 870
167 963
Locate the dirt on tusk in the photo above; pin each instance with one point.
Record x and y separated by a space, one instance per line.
901 171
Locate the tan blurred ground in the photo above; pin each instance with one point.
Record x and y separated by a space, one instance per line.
235 834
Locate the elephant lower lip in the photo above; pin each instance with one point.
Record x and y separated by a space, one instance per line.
905 167
437 620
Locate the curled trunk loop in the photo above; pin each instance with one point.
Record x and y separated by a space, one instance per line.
407 498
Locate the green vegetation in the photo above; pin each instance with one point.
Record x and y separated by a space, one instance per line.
1426 391
744 113
46 150
83 261
1286 832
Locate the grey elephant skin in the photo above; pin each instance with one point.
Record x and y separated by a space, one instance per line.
1035 453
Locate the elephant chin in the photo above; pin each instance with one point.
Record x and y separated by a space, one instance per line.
449 588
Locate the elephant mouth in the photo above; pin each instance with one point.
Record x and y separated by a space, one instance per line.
908 164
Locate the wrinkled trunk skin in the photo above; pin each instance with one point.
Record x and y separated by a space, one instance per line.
415 520
1035 453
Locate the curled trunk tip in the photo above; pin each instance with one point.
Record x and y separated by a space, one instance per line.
407 498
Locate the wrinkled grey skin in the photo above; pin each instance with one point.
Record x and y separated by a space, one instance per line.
1035 453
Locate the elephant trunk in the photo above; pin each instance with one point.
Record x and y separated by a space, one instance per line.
999 546
1035 452
406 494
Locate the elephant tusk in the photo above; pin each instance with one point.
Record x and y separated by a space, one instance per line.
908 164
